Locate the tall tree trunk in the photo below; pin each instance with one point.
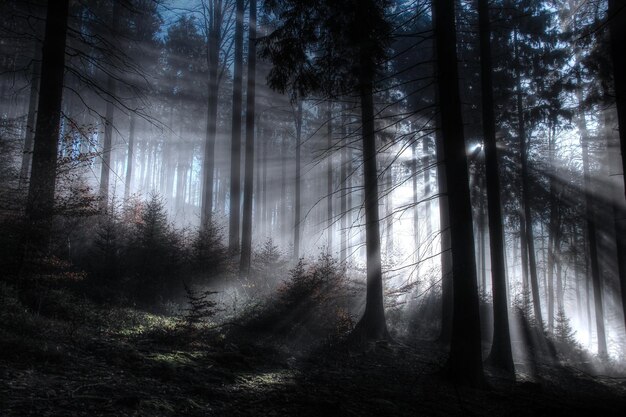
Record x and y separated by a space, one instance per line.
427 186
246 232
105 169
372 324
592 240
344 181
389 212
617 28
552 230
298 186
525 198
265 218
30 120
501 354
208 165
465 360
329 177
235 145
40 201
416 216
130 160
447 290
283 192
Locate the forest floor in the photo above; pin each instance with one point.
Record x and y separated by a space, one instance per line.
122 362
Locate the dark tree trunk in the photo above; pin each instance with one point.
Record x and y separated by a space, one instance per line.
617 28
345 185
30 120
372 324
208 166
592 240
427 187
500 355
389 212
446 251
109 113
40 201
246 232
529 244
282 221
105 170
329 177
465 361
416 212
130 157
265 210
235 145
298 186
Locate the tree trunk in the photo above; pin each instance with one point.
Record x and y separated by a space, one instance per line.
130 157
525 191
30 120
372 324
501 354
246 233
283 191
617 28
296 220
343 173
416 212
105 169
445 249
592 242
208 166
389 212
465 361
427 187
329 177
40 201
235 145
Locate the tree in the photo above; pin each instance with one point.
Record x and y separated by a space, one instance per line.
235 146
617 28
40 201
246 232
213 17
465 361
501 355
331 48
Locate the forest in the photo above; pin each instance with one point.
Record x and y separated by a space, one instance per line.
312 208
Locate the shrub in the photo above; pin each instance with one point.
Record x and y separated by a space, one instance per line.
313 305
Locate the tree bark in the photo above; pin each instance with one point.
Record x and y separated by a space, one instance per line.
234 218
617 28
40 201
465 360
130 159
372 325
525 191
208 166
501 354
592 240
246 233
329 177
30 120
298 186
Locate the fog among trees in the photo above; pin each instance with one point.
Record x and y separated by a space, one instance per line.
284 207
